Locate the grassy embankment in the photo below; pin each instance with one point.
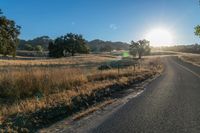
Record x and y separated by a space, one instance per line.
36 93
191 58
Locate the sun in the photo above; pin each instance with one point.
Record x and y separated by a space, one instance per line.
159 37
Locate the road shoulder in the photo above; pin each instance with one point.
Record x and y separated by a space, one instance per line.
96 117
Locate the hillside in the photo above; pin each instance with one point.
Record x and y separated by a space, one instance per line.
95 45
30 45
106 46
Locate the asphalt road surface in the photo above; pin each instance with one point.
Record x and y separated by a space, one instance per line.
170 104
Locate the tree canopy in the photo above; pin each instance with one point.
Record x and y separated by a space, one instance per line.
9 33
197 30
140 48
69 44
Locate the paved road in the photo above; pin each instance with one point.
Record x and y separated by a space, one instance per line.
170 104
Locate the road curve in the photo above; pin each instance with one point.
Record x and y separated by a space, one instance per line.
170 104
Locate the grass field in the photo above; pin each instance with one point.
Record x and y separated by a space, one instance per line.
34 92
191 58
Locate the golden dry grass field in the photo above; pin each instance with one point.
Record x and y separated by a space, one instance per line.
30 90
191 58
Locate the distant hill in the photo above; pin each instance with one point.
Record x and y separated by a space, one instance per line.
106 46
31 44
95 45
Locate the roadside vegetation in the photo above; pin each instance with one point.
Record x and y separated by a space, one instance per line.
191 58
33 96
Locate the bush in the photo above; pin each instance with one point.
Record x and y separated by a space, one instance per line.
118 64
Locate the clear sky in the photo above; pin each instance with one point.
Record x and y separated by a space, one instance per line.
115 20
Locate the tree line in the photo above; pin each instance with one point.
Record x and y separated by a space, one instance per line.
194 48
94 45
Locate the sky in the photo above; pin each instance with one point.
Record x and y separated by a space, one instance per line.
114 20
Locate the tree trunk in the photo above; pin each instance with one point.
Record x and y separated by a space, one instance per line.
139 56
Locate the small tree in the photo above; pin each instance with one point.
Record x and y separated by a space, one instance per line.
197 30
28 47
39 48
9 33
140 48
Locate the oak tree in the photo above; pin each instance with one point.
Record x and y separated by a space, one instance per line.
9 33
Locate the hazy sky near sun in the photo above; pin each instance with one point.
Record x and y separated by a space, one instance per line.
116 20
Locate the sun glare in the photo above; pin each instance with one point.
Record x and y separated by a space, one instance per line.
159 37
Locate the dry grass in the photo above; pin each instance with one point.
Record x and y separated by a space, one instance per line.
92 109
193 59
76 60
56 86
26 83
25 90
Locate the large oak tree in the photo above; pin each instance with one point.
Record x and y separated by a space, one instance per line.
9 33
140 48
68 44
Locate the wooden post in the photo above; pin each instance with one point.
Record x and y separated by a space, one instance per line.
118 69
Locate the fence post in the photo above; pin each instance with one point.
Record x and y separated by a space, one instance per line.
118 68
